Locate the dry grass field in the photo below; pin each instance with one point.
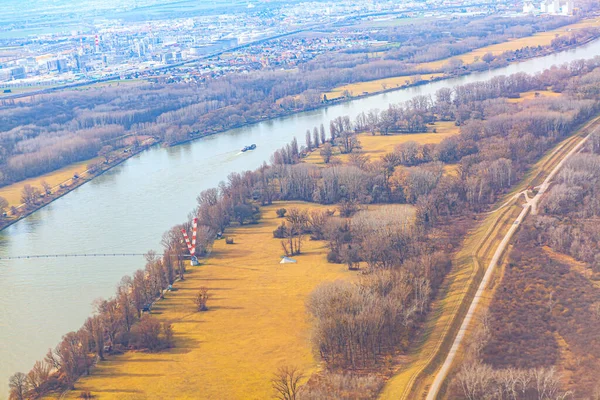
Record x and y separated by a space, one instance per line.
12 193
532 95
539 39
256 323
377 146
379 85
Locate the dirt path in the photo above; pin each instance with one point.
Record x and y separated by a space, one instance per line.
530 205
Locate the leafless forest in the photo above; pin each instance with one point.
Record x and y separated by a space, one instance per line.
545 315
357 326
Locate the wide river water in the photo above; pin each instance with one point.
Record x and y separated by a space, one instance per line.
128 208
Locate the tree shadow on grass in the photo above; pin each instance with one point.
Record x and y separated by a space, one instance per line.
184 345
132 375
210 280
130 391
216 308
233 267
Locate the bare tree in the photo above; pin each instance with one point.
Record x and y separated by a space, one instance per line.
38 377
201 299
29 195
547 383
322 134
3 206
326 152
46 186
19 386
475 379
286 383
125 302
309 144
105 153
316 137
297 225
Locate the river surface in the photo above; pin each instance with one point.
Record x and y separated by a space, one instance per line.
128 208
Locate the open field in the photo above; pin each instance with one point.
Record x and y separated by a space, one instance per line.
539 39
452 169
532 95
376 146
448 310
379 85
22 89
12 193
27 89
256 322
114 82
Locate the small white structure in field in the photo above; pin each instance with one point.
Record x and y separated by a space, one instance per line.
287 260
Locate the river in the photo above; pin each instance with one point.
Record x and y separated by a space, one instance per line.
128 208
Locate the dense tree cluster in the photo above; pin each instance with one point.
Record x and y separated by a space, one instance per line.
446 38
571 209
480 381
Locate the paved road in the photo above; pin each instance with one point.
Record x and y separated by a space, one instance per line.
530 205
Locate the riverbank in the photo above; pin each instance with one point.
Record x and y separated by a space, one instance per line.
59 187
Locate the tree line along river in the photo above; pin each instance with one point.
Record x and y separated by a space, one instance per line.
127 209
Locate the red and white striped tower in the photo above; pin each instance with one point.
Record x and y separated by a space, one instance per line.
192 246
194 234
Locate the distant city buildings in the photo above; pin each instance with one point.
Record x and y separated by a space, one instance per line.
218 43
552 7
12 73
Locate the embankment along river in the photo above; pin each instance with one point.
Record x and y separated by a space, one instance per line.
127 209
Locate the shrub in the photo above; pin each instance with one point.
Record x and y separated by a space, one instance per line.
281 212
348 208
342 386
150 334
201 299
280 232
334 257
